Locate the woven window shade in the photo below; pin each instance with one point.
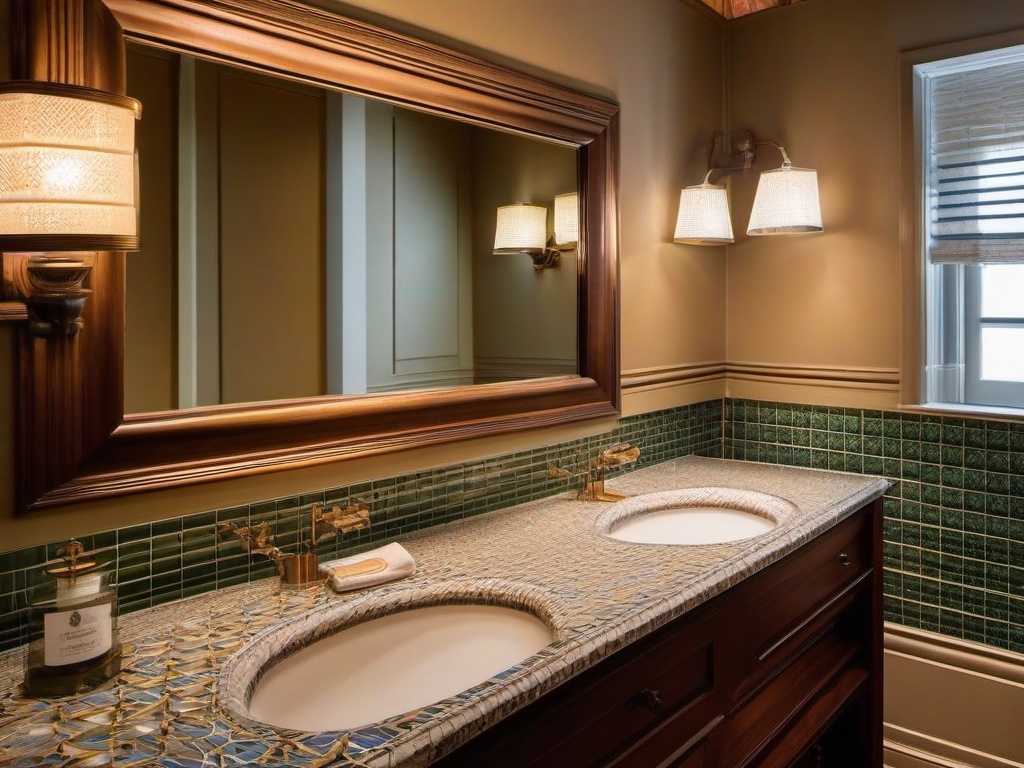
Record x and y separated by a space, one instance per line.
976 161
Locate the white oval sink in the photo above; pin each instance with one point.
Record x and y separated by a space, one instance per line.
694 516
394 664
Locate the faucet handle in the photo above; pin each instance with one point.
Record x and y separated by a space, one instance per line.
254 538
617 456
351 518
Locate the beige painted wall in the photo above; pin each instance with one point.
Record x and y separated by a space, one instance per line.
660 59
822 78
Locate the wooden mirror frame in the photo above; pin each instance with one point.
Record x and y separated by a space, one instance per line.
75 443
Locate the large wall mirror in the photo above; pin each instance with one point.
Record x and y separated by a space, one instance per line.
317 279
299 241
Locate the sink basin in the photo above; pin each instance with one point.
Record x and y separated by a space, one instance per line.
400 662
694 516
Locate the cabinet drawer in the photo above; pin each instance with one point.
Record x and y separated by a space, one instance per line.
665 681
795 598
668 687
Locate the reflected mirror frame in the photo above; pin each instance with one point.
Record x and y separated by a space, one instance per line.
75 444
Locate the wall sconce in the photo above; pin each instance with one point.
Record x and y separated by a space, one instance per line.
523 228
704 217
567 221
67 189
786 201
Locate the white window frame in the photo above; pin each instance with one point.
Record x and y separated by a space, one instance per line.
976 389
949 343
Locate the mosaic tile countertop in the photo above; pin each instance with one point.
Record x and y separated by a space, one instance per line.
171 707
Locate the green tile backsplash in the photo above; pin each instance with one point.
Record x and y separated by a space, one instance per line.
954 517
170 559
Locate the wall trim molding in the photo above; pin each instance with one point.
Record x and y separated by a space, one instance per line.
962 654
672 375
905 748
884 379
878 379
843 387
975 677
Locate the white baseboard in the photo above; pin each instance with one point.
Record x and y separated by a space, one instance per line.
909 749
951 703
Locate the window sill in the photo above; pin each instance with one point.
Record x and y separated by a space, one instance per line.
993 412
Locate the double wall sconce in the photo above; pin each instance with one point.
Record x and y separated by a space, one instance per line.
68 188
523 228
786 201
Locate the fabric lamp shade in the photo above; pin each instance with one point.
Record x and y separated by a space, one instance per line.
67 168
521 227
567 219
704 216
786 203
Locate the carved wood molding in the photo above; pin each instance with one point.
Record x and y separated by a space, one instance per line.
325 49
75 444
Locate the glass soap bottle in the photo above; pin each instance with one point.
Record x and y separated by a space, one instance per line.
73 645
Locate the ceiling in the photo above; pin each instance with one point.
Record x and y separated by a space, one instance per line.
732 9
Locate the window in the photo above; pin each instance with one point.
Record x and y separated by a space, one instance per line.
972 151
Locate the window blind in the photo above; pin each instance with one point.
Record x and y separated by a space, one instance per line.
976 161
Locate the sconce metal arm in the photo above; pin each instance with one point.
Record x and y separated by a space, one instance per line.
740 156
785 155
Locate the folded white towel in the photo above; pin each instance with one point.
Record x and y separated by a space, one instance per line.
378 566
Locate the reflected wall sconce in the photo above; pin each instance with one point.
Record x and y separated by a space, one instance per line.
567 221
523 228
786 201
68 188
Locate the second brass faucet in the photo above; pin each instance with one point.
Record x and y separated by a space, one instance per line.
591 476
300 569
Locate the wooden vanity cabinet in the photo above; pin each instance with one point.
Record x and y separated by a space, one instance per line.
784 669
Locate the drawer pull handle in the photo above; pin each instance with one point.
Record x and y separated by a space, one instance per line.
844 559
649 700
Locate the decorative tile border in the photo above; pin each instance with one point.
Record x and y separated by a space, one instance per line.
169 559
954 518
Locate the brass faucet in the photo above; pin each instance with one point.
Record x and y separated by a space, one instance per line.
299 570
591 476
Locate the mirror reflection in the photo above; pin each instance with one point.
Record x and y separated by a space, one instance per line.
298 241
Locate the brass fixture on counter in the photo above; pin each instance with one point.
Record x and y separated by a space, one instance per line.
591 476
299 570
